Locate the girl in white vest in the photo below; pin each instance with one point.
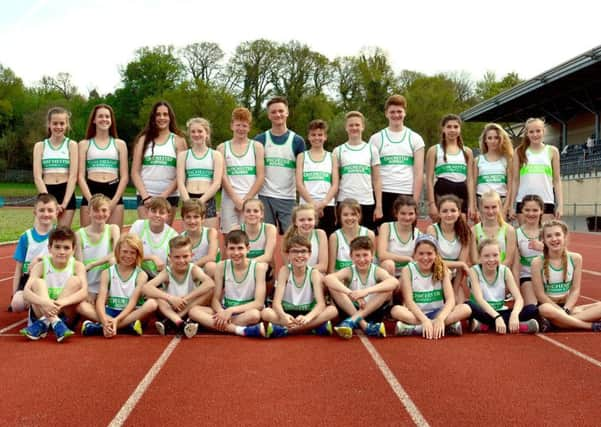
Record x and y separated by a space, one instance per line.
349 217
536 171
303 224
205 241
95 243
489 282
55 164
493 226
359 165
492 168
103 167
556 278
120 305
299 302
153 167
428 306
449 169
453 236
529 245
317 177
200 169
396 240
244 169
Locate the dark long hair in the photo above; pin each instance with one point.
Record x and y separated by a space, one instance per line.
150 131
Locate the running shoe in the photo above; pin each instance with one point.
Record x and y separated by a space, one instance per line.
455 329
529 327
190 329
404 329
61 331
257 330
596 326
345 328
89 328
161 326
477 326
137 327
325 329
276 331
35 331
376 329
545 325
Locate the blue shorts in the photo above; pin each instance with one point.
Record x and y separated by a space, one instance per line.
432 314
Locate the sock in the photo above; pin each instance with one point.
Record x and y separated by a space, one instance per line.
239 330
44 320
418 330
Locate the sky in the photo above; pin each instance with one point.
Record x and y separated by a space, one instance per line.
92 40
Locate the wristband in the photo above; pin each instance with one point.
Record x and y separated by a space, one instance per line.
146 198
567 310
497 316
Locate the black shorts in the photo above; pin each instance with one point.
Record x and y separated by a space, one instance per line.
173 201
22 281
388 200
459 189
109 189
210 205
549 208
58 191
524 280
328 221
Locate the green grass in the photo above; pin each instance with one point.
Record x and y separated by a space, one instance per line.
21 189
14 221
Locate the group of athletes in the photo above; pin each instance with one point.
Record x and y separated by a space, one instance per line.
352 253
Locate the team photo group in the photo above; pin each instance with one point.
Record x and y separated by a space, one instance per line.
282 237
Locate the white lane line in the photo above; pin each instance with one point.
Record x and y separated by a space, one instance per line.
571 350
589 298
9 327
135 397
6 278
414 413
594 273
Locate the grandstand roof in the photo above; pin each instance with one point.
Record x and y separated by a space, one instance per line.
559 93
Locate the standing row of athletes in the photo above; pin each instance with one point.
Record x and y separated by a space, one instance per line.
373 173
275 166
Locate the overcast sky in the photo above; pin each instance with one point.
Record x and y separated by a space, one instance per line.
93 39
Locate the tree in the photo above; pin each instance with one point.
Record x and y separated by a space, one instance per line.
346 81
61 84
202 61
250 72
489 86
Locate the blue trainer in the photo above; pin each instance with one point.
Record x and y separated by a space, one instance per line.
276 331
325 329
35 331
376 329
61 331
345 328
257 330
90 329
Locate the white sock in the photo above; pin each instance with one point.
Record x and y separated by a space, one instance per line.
239 330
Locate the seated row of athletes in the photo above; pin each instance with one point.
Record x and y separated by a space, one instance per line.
153 268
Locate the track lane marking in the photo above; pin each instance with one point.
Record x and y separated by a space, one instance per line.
137 394
402 395
13 325
594 273
567 348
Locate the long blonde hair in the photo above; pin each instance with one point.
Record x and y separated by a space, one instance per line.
293 229
493 195
438 267
505 146
564 253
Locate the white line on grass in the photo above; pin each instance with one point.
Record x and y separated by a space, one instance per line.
135 397
414 413
571 350
9 327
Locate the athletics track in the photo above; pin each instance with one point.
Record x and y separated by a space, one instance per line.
473 380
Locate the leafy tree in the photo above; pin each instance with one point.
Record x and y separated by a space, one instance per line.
489 86
250 72
61 83
202 61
